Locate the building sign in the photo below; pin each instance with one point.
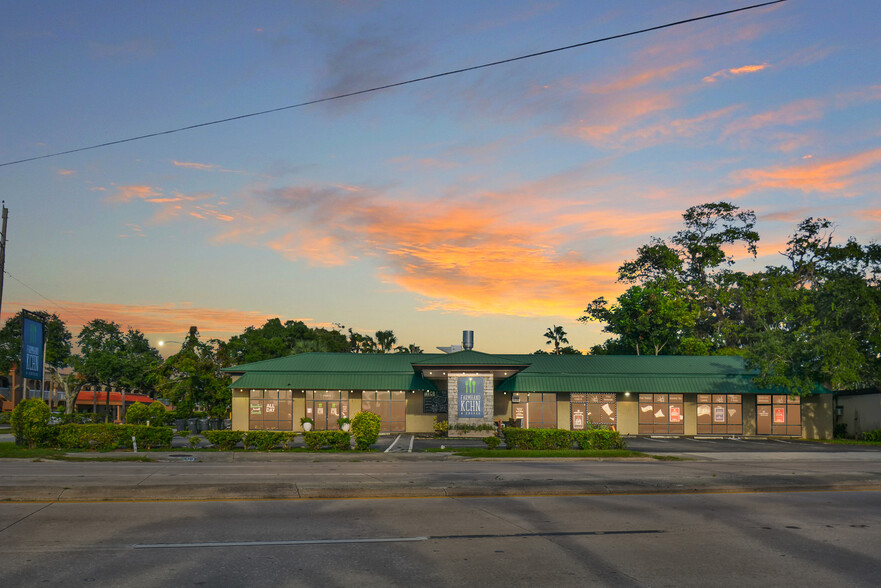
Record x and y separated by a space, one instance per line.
31 348
520 412
256 408
470 398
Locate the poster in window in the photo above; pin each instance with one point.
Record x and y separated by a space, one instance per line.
578 419
779 416
256 408
718 414
675 414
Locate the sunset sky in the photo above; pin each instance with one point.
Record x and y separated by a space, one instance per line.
500 200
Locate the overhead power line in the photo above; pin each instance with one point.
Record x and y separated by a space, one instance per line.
394 85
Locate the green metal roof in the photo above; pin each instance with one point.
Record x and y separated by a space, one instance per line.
468 357
538 373
334 362
331 381
637 385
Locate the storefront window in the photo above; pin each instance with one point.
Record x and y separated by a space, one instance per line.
593 410
270 410
719 414
661 414
778 414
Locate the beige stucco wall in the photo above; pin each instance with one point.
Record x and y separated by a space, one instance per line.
861 413
417 421
564 406
816 416
627 414
689 410
502 407
239 410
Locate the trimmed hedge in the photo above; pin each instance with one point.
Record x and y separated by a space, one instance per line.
562 439
105 437
224 440
263 440
598 439
315 440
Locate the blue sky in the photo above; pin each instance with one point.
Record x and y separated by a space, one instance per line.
500 200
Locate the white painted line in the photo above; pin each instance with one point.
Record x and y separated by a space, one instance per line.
389 448
782 441
272 543
658 440
412 438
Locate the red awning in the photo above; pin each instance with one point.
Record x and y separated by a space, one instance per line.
87 396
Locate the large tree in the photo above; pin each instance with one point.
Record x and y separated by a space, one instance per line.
277 339
110 357
192 378
815 320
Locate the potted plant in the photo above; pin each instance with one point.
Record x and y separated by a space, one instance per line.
306 423
345 423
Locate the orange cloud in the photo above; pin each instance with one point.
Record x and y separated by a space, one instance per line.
151 318
129 193
734 72
811 176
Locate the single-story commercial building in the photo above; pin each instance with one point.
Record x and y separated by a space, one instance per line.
636 395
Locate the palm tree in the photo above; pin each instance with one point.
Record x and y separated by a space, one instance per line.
557 336
386 341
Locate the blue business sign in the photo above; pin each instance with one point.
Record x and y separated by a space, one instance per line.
470 398
31 349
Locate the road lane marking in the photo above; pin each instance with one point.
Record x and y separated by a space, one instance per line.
412 438
294 542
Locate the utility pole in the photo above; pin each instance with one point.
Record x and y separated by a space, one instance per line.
3 251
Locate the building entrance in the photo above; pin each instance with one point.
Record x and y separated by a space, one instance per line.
324 407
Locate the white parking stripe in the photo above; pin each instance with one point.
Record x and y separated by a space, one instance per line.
389 448
412 438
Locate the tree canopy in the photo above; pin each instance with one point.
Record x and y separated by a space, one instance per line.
812 320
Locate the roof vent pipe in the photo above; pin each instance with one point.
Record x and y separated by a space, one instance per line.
468 340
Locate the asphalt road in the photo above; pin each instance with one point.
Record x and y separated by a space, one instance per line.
781 539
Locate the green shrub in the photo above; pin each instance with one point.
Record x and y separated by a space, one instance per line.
157 415
105 436
4 417
874 436
365 428
224 440
537 438
136 414
150 437
441 428
598 439
315 440
30 422
263 440
492 441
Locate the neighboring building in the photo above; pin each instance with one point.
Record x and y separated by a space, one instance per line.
859 410
636 395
